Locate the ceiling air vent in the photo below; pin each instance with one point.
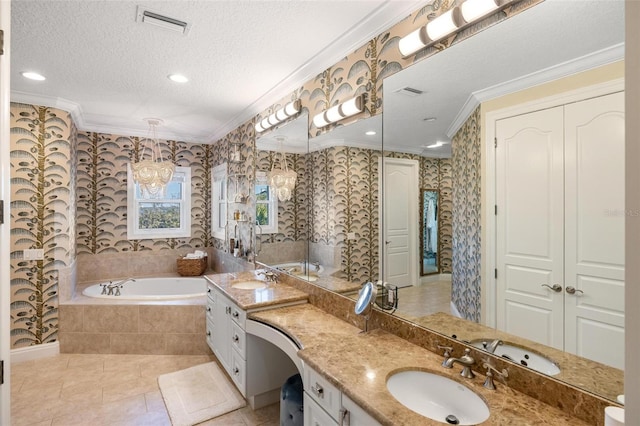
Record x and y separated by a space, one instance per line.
147 16
409 91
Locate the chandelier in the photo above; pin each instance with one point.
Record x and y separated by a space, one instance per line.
153 173
282 181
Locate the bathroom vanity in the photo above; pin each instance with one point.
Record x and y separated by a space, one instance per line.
256 366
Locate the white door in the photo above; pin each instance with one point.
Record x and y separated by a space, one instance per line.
400 221
5 353
529 238
560 227
594 229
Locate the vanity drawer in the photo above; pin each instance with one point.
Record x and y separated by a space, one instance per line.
238 372
323 392
314 415
238 340
210 330
238 316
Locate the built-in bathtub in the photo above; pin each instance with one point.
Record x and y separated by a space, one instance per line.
160 316
164 288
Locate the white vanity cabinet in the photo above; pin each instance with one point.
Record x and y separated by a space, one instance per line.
325 405
226 336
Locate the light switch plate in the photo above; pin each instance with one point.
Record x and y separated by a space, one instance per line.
33 254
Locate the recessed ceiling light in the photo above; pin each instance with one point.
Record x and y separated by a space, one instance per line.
370 133
178 78
429 119
33 76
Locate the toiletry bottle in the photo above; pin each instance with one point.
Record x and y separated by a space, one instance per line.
232 245
236 250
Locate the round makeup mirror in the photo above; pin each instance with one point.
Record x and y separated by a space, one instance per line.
366 299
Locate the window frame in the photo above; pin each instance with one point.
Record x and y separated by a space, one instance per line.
272 226
133 201
219 192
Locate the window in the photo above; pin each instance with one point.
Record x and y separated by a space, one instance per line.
219 201
166 216
266 205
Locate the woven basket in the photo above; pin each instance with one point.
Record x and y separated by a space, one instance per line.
191 267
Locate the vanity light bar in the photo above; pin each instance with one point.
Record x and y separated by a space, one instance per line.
289 110
339 112
446 24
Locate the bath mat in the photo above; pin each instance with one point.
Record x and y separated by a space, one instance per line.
198 393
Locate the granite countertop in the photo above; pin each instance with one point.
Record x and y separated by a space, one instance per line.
273 294
578 371
359 363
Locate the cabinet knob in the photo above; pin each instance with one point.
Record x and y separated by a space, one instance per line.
317 390
236 314
208 290
235 338
208 308
236 371
208 333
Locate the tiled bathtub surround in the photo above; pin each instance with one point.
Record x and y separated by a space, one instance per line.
150 329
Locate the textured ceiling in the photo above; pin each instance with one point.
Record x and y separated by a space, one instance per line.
240 57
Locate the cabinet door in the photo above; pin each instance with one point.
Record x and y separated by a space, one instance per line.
529 225
222 330
594 229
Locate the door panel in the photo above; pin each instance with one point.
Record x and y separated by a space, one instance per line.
400 223
594 209
529 239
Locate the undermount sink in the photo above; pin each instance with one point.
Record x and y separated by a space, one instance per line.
437 397
521 355
249 285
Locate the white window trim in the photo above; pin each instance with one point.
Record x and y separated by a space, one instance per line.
134 233
272 227
218 204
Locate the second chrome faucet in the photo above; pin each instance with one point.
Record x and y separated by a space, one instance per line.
467 362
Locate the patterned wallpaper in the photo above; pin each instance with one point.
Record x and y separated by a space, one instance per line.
43 144
102 193
42 217
465 285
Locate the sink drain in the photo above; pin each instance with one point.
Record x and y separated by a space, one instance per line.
452 420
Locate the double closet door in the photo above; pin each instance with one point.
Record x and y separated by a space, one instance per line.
560 227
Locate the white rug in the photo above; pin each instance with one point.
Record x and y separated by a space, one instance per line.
198 393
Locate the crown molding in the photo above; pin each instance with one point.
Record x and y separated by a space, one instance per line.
74 109
584 63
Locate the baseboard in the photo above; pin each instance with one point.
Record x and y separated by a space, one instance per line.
29 353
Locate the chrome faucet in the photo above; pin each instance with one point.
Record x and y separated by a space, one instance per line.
491 347
113 289
270 276
466 360
488 382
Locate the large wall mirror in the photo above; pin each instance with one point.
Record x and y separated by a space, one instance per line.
532 48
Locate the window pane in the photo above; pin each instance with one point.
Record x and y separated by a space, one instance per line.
262 213
173 190
159 215
262 192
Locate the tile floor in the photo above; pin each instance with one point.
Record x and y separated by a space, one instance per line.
96 390
425 299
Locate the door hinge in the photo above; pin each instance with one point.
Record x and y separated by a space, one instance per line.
495 209
1 372
1 42
1 212
495 272
495 142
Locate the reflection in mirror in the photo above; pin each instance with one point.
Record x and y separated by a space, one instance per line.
429 231
459 86
281 225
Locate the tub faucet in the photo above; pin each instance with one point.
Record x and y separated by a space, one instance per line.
113 289
466 360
